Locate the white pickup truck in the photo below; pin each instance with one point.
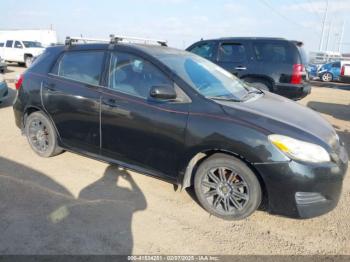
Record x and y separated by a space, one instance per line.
345 73
20 51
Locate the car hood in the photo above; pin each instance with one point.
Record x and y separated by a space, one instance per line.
279 115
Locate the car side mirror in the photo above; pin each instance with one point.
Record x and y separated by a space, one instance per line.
166 92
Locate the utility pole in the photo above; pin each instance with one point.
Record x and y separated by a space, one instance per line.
323 26
341 37
329 34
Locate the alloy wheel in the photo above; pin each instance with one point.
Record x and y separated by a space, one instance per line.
225 190
39 135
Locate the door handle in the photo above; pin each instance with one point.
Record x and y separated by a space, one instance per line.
110 102
240 68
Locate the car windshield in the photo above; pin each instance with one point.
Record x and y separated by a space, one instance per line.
31 44
204 76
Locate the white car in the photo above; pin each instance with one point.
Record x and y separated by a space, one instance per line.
345 73
20 51
3 65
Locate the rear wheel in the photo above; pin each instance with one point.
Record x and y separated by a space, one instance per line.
327 77
260 84
227 188
28 61
41 135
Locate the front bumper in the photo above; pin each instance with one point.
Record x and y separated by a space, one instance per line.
300 190
291 91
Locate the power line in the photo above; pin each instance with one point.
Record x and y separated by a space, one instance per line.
313 10
268 4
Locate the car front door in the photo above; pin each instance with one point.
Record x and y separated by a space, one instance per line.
336 70
71 96
233 56
137 130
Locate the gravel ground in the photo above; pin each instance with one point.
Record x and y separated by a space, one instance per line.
71 204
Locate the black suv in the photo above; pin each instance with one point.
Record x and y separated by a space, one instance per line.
175 115
273 64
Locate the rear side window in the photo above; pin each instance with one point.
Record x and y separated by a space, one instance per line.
273 52
232 52
83 66
9 43
133 75
1 44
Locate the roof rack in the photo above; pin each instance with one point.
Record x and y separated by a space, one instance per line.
114 39
119 38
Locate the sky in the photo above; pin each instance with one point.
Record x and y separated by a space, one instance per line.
183 22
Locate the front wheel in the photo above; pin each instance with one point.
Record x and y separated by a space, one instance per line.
28 61
227 188
327 77
41 135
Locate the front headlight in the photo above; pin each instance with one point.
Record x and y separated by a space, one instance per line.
300 150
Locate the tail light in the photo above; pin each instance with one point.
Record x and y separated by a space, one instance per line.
19 82
297 75
342 72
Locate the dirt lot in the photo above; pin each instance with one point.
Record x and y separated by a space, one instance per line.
71 204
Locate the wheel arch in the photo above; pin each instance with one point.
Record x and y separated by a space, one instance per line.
190 170
32 109
27 54
260 78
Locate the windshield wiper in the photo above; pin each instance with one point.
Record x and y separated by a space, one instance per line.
222 98
252 91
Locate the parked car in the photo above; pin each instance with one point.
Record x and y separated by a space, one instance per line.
272 64
3 65
3 89
22 52
331 71
174 115
312 70
345 73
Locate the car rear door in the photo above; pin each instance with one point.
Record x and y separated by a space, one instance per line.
234 57
137 130
71 96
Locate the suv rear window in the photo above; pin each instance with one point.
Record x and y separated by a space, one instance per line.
84 66
273 52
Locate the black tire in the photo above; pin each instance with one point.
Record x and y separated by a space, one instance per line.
28 60
327 77
236 199
41 135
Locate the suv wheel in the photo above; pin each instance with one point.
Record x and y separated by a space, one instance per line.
28 61
260 84
227 188
41 135
327 77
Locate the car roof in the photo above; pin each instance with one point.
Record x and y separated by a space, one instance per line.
153 50
245 38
